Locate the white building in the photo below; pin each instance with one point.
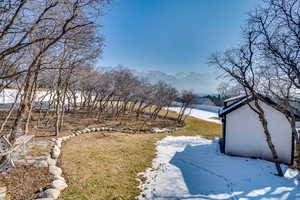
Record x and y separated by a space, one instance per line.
243 133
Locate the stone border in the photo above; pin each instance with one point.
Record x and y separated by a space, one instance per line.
3 193
58 183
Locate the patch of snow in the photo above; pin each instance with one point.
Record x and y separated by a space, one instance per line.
8 96
291 173
235 98
160 130
200 114
193 168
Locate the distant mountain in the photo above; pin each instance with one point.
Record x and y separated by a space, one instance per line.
200 83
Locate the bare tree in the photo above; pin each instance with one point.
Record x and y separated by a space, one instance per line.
241 64
52 23
276 24
187 98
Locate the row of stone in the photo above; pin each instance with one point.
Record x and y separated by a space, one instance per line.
3 193
58 183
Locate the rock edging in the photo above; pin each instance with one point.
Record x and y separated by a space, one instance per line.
3 193
58 183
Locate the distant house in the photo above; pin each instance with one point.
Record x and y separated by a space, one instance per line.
243 133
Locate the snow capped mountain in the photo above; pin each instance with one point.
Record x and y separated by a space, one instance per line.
200 83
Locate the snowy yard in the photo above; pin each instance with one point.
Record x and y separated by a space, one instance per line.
193 168
200 114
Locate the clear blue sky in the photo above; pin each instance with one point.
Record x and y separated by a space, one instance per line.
171 35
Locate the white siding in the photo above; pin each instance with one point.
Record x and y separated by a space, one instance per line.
245 136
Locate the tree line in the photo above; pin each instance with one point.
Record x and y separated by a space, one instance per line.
54 45
45 35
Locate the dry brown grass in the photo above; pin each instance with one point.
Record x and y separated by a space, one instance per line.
72 121
105 167
38 150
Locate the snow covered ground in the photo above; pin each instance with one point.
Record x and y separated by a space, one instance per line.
8 96
200 114
192 168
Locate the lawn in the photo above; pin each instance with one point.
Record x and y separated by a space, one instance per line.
104 166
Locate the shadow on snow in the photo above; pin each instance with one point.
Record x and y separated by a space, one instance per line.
208 174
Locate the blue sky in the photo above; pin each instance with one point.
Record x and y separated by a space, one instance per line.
171 35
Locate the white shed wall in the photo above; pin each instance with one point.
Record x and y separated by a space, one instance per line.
245 136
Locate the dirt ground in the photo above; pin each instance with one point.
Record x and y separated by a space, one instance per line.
24 181
77 119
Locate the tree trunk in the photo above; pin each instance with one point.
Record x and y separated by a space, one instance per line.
185 116
167 112
32 98
297 152
139 109
10 112
61 123
74 99
271 146
58 102
24 104
291 119
93 104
